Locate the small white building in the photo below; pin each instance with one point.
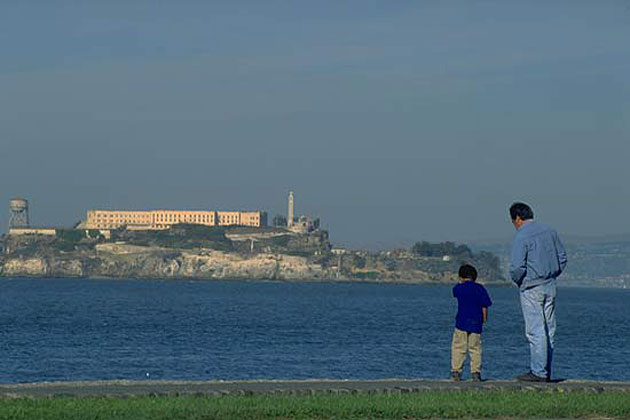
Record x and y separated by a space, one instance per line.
32 231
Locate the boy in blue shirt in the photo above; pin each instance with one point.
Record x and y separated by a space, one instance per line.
472 311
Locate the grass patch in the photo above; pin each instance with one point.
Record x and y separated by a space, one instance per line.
369 275
181 236
473 404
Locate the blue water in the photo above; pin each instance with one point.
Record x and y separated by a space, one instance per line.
71 329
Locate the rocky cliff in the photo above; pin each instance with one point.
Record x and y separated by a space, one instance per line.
128 261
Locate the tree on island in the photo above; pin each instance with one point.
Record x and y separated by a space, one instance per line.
427 249
279 221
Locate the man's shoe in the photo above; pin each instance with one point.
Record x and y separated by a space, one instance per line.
530 377
476 377
456 376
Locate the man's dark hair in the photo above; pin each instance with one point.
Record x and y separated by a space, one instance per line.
467 271
521 210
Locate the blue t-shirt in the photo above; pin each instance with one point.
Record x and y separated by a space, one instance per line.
471 297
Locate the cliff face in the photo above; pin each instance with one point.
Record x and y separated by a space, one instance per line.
25 267
128 261
42 267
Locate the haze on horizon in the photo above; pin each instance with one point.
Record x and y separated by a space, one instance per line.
392 121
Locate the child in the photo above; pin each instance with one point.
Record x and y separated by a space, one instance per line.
472 311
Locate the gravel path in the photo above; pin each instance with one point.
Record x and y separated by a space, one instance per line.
294 387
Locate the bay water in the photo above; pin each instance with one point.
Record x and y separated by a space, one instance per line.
83 329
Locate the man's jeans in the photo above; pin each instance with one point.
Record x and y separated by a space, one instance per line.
538 304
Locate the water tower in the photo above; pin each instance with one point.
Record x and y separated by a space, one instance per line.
19 213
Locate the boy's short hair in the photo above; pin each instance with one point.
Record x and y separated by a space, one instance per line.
467 271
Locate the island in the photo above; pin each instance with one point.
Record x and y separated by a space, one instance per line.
194 251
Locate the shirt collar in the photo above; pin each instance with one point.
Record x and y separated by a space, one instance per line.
525 223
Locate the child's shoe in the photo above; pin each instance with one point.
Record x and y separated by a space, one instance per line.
456 376
476 377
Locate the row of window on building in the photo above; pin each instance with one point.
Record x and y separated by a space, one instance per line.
162 219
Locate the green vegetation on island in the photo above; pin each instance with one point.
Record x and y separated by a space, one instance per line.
471 404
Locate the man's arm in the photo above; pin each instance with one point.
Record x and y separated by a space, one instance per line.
562 254
518 265
484 313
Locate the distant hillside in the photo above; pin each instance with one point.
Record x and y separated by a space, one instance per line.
593 261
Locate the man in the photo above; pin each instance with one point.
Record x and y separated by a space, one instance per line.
538 258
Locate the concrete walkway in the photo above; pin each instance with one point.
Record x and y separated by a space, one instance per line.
293 387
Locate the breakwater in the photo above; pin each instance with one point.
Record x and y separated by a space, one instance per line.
291 387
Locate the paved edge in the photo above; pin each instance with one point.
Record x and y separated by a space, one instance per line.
123 388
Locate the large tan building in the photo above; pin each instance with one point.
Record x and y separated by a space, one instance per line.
164 219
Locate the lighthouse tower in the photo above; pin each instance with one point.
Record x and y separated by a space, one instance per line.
290 212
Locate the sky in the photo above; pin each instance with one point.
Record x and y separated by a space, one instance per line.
393 122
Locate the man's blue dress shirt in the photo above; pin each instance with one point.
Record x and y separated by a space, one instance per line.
538 255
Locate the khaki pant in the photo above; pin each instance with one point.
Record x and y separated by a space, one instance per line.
464 342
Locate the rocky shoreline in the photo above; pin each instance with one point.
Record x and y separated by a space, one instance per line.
207 265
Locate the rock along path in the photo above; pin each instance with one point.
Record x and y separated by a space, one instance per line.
121 388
